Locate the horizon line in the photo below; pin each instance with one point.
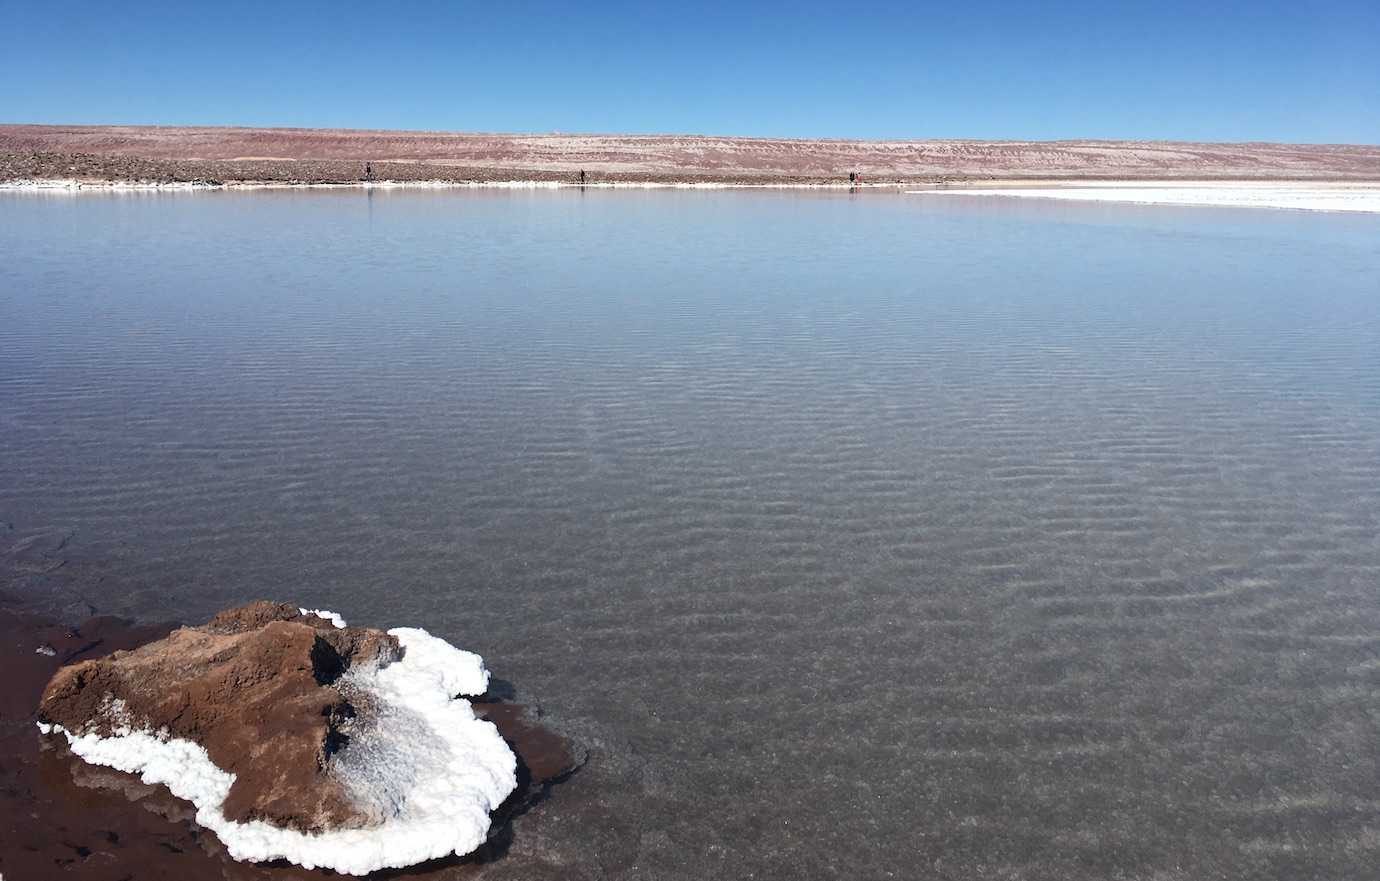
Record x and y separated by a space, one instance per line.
688 135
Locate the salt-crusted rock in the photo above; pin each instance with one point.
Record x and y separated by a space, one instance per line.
297 737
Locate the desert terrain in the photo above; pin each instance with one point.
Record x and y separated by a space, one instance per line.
161 154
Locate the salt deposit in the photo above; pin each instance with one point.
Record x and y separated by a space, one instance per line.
426 769
1307 197
330 616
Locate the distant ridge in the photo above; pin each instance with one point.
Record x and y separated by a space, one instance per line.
295 154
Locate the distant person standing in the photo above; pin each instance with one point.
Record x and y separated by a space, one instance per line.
368 171
852 177
582 177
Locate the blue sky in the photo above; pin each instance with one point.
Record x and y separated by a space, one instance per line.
1300 71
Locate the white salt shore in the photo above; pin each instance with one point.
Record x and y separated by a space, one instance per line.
429 770
333 617
65 185
1360 197
1304 196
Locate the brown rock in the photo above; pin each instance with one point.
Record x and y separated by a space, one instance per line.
259 687
62 817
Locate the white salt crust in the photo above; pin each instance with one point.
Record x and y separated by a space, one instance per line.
1360 197
428 770
72 185
333 617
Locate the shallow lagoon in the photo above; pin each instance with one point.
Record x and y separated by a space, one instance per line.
861 536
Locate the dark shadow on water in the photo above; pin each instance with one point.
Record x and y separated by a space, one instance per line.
499 690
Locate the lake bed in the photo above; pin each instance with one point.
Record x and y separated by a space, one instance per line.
857 535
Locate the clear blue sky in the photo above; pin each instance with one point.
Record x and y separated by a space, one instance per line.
1296 71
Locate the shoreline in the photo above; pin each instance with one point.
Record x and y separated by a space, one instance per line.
1354 197
1341 196
974 186
78 185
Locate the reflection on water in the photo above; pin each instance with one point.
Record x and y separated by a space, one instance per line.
862 536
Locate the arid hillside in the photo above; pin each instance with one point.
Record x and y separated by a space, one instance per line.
178 153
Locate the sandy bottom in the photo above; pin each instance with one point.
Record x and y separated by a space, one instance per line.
957 539
1301 196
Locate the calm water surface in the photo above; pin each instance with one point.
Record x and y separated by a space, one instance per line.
860 537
